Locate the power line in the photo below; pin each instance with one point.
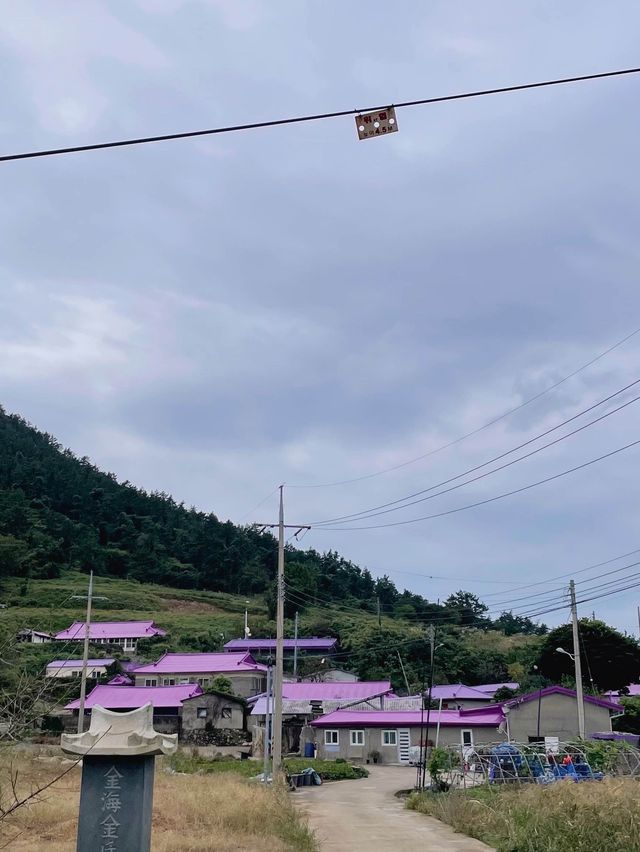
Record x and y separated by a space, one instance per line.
373 512
166 137
478 429
570 573
488 499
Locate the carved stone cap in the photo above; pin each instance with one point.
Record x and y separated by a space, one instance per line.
125 734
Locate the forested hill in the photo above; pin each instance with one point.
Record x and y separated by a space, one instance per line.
58 511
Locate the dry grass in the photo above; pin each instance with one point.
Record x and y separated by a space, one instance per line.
190 813
585 817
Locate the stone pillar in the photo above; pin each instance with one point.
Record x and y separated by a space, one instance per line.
116 796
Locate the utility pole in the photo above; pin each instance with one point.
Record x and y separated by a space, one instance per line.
85 653
404 674
576 659
267 727
295 646
247 632
639 621
432 645
278 676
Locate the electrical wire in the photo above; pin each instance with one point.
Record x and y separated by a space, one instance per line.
488 499
190 134
373 512
478 429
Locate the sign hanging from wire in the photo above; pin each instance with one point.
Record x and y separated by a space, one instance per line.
377 123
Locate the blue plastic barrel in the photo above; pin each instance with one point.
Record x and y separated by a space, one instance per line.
309 749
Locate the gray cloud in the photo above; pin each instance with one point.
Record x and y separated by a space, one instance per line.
215 316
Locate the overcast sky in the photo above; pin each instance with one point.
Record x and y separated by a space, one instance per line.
212 317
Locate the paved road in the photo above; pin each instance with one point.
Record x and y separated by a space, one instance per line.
349 816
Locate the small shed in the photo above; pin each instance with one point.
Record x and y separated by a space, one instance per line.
213 709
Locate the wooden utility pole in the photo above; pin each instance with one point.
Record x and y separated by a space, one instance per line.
576 659
278 674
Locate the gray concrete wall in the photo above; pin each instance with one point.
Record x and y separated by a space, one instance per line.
558 718
214 705
243 684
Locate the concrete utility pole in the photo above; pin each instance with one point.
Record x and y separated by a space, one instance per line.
576 659
85 653
267 727
85 657
278 675
295 646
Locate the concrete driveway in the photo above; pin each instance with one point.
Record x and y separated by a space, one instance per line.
365 815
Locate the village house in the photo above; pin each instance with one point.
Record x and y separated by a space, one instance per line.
212 709
166 701
267 647
306 700
35 637
246 675
557 709
356 733
73 668
126 634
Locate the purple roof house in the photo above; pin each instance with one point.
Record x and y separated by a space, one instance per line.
166 700
73 668
246 675
301 699
124 633
614 694
325 645
490 689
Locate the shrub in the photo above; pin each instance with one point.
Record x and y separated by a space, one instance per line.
328 770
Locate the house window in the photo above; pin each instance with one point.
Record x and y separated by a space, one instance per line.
390 738
201 712
226 712
168 681
331 738
203 681
467 738
151 681
356 738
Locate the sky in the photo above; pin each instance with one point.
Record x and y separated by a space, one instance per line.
216 316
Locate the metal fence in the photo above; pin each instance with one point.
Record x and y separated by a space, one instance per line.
533 763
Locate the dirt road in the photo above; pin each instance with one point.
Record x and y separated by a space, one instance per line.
349 816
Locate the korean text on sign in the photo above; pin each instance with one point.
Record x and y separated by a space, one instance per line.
111 804
370 124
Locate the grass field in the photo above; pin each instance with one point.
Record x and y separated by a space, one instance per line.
563 817
190 813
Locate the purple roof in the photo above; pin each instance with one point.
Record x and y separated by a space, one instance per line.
408 718
111 630
313 644
560 690
77 664
130 697
458 690
349 690
614 694
491 688
201 664
120 680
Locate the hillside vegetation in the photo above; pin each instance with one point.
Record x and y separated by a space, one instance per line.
193 573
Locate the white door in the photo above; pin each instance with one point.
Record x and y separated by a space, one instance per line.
404 744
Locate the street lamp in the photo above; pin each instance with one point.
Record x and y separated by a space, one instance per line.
562 651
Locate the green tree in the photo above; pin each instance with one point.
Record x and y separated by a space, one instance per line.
220 683
13 554
609 657
467 609
630 722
